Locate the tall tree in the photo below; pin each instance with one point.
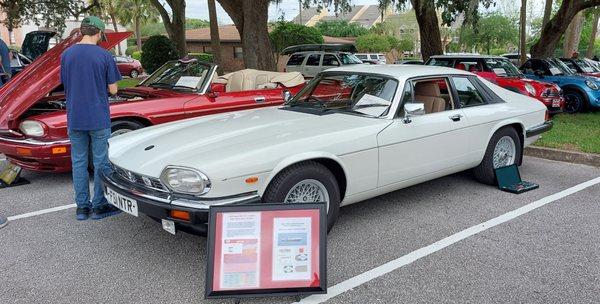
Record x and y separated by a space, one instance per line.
522 33
547 12
573 35
136 13
215 40
108 9
174 22
590 48
557 26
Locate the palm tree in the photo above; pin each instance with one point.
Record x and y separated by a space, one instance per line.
136 13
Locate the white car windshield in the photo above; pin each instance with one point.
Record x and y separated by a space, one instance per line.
362 94
178 75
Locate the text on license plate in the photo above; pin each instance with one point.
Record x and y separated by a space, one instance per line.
122 202
556 103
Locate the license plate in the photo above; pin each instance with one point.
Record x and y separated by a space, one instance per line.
122 202
556 103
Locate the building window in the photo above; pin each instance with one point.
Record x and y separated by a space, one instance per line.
238 52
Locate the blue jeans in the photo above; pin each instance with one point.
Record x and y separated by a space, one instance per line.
81 142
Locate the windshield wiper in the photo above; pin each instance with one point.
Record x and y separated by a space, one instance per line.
160 85
183 87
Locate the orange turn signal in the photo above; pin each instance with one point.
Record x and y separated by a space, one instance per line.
59 150
180 215
251 179
24 151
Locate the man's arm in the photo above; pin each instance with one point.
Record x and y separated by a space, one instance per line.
112 88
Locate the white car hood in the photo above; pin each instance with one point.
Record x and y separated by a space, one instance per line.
229 145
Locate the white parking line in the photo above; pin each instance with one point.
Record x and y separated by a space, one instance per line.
44 211
441 244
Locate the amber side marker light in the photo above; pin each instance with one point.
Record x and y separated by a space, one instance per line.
59 150
24 151
252 180
180 215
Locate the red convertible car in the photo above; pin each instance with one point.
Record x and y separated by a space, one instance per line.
33 120
501 71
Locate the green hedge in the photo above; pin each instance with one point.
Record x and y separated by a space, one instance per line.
157 51
202 56
137 55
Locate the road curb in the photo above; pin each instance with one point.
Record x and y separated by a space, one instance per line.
589 159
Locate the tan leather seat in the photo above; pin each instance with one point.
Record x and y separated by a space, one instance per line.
428 92
250 79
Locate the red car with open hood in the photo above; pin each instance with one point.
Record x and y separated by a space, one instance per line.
33 119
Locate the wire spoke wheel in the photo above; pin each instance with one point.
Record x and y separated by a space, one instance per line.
308 191
505 152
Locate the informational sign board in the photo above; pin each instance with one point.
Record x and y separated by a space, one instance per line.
266 249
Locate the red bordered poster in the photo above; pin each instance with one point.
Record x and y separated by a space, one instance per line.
266 249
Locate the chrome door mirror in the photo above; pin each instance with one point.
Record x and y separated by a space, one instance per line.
287 96
412 109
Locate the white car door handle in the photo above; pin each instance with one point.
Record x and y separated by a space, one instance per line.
259 99
456 117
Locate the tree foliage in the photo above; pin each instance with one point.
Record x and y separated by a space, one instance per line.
285 34
48 13
375 43
340 28
157 51
493 31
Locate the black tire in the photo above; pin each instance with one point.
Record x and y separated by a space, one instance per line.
574 101
484 172
124 126
134 74
286 179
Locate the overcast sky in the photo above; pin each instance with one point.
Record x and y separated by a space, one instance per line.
289 9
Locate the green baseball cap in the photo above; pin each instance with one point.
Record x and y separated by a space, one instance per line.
94 21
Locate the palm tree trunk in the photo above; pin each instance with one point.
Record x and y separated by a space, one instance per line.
522 41
590 49
113 18
138 33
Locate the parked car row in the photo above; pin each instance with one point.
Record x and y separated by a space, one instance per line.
351 133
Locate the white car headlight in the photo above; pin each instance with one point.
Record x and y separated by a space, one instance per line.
185 180
32 128
530 89
592 85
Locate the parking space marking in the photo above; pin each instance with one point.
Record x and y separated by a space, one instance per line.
388 267
44 211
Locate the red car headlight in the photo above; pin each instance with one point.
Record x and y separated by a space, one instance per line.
33 128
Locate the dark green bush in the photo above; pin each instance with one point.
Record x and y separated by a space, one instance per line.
156 51
202 56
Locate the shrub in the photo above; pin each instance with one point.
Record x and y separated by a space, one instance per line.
286 34
202 56
130 50
137 55
156 51
374 43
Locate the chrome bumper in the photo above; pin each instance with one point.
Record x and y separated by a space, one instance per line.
539 129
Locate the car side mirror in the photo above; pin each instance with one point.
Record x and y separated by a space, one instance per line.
412 109
287 96
212 94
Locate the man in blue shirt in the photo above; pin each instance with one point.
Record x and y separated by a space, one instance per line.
5 71
89 73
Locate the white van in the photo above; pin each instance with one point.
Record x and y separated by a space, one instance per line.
312 59
372 58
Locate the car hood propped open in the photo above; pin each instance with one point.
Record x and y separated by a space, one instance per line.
40 78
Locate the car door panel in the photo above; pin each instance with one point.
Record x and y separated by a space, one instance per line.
428 144
233 101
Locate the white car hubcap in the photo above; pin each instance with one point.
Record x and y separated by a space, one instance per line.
308 191
504 152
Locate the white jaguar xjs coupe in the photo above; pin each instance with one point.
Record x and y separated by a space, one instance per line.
351 134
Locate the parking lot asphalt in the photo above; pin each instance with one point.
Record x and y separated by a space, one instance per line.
547 255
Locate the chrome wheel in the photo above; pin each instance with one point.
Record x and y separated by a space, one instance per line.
120 132
505 152
308 191
134 74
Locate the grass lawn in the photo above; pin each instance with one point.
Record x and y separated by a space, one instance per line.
128 82
578 132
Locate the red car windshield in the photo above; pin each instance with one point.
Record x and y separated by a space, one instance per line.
176 74
502 67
